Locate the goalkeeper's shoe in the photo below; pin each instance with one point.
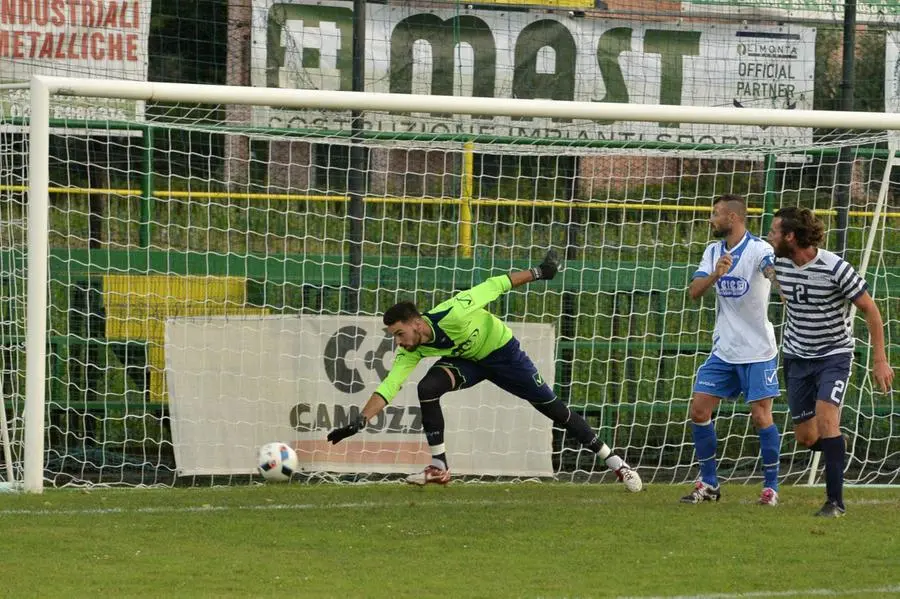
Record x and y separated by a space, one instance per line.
630 478
431 474
768 497
702 492
831 509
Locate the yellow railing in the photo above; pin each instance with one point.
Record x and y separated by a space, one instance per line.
576 203
465 208
466 201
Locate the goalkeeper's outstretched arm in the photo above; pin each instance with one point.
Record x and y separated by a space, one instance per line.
375 404
484 293
472 300
404 363
546 270
402 368
373 407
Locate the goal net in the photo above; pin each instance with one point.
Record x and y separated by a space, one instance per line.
210 289
13 152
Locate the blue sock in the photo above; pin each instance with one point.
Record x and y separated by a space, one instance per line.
705 445
770 448
833 450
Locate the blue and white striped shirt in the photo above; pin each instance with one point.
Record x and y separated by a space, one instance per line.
818 295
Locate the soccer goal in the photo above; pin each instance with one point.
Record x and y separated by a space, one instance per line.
210 278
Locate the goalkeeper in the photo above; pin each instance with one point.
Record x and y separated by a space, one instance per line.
473 345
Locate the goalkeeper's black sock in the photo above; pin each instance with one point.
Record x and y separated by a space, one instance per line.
433 424
817 446
563 417
582 431
433 385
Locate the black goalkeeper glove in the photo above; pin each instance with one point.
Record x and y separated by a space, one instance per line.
548 268
339 434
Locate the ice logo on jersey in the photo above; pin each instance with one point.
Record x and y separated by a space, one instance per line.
729 286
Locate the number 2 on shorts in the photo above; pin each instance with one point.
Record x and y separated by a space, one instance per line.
837 391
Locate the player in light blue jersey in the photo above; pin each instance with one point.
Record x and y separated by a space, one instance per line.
744 357
819 287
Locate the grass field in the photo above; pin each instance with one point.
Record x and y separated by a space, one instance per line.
465 540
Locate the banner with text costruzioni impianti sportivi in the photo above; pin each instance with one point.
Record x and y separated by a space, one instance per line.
471 52
237 383
97 39
867 11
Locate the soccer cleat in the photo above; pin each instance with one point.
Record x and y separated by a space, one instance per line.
831 510
702 492
630 478
431 474
768 497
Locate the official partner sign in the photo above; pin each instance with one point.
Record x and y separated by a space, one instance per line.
471 52
237 383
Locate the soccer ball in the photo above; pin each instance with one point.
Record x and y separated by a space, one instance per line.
276 462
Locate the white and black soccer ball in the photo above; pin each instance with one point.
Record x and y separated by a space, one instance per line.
277 462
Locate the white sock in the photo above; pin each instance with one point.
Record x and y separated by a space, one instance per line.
614 462
604 452
437 450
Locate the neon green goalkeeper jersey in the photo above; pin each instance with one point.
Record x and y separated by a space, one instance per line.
461 328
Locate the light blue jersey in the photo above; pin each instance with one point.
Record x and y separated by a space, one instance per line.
743 333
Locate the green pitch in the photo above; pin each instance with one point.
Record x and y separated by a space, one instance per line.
466 540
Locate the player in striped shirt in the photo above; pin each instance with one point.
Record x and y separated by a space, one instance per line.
818 287
744 358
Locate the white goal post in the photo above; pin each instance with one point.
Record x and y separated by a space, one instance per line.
38 226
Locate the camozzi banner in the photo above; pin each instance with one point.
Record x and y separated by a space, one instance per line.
237 383
471 52
98 39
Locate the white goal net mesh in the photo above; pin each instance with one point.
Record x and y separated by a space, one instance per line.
213 289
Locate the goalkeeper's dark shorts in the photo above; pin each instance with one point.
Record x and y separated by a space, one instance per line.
509 368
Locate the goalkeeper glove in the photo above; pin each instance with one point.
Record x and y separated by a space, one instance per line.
339 434
548 268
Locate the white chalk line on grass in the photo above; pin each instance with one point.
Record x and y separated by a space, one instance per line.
411 502
892 589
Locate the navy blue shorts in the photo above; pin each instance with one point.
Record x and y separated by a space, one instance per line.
812 379
509 368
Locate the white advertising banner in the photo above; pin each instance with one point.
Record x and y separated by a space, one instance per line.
235 384
867 11
892 72
97 39
472 52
